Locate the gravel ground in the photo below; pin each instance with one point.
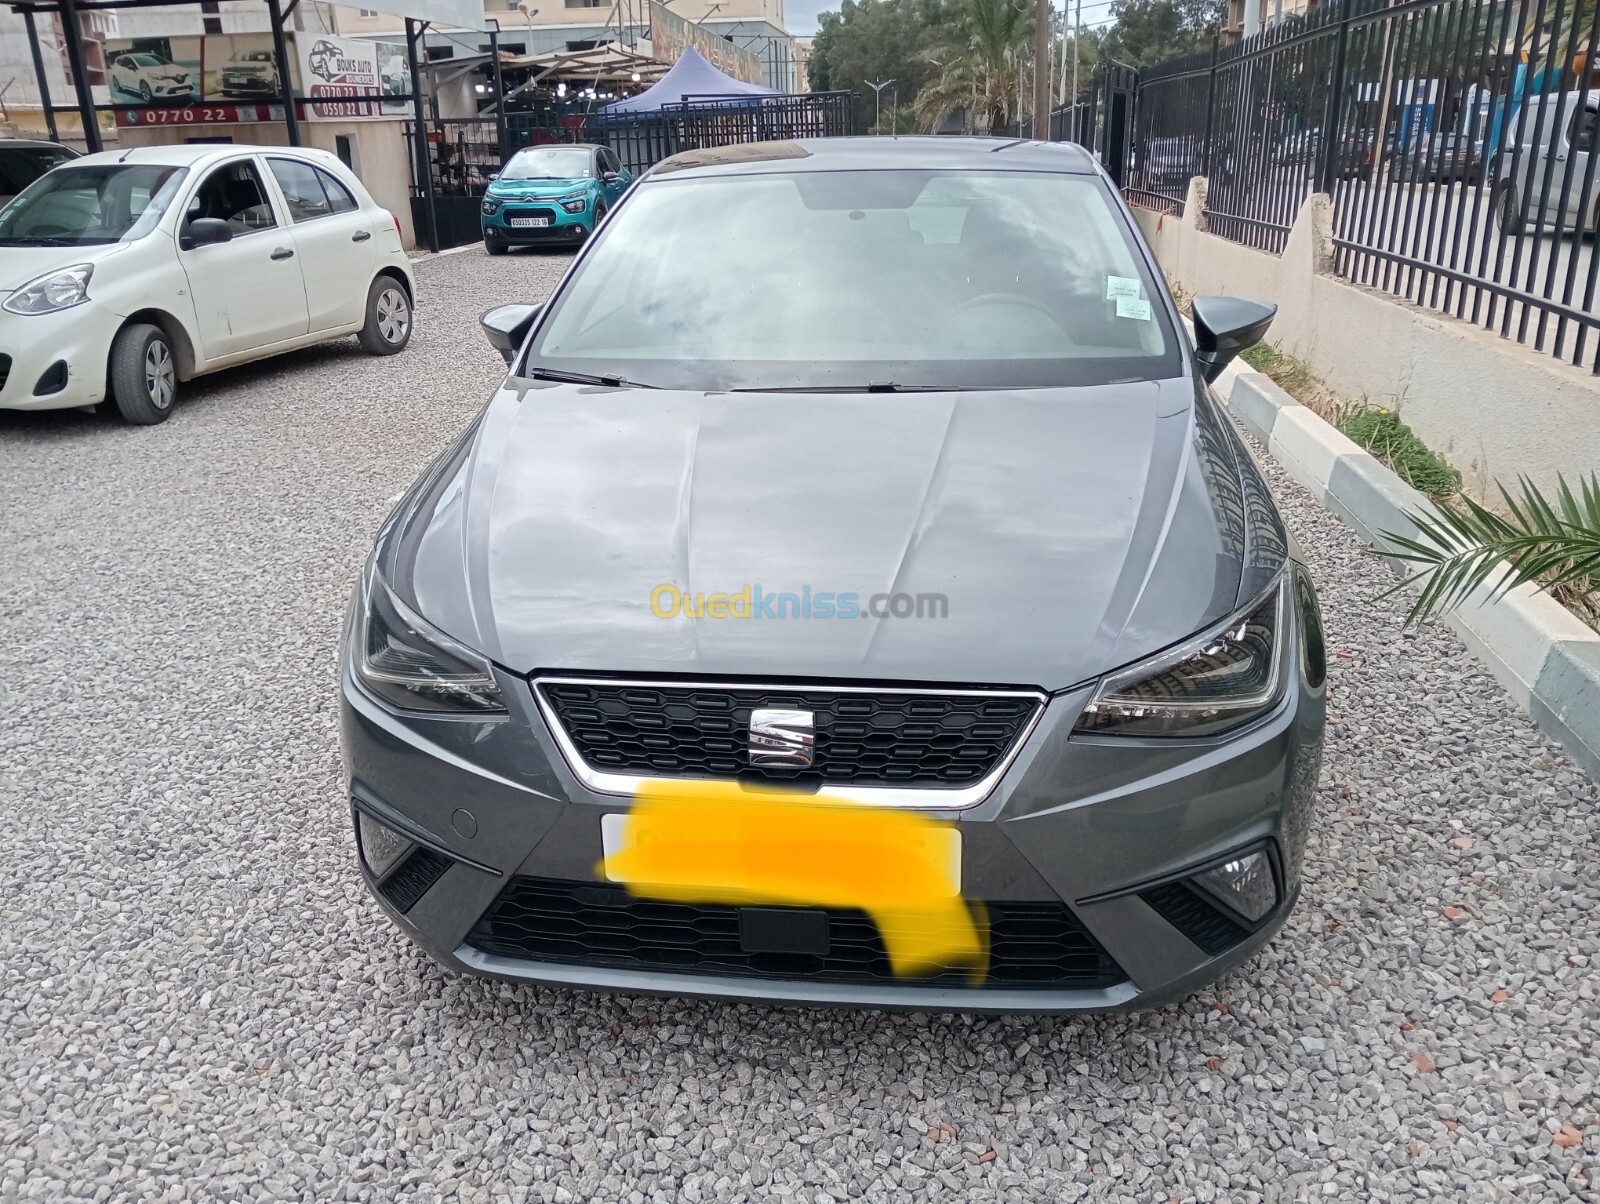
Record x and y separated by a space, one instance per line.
200 1002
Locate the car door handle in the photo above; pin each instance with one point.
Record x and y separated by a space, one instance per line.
361 236
283 253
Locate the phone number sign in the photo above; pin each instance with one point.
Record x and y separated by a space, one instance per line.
203 114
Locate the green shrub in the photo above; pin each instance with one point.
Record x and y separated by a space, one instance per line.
1383 434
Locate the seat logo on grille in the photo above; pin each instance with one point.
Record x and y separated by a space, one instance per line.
781 739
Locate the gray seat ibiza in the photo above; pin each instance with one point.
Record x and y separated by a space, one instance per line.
853 595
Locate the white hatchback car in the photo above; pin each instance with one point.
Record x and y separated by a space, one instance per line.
125 272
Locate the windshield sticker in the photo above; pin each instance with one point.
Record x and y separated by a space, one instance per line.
1132 307
1118 287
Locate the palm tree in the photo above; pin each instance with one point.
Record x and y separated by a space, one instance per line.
1463 545
982 75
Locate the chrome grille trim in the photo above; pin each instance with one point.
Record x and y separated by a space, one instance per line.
916 798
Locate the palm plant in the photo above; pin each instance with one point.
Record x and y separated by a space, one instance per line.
1462 545
981 75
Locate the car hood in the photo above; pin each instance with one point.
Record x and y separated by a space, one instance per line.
1070 531
18 265
510 188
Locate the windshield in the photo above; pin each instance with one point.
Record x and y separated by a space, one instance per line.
845 280
145 60
556 163
82 206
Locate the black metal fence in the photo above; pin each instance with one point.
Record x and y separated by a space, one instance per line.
463 154
1455 138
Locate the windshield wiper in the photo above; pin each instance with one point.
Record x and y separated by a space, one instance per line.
877 386
584 378
40 240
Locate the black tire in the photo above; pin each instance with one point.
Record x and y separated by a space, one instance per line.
389 317
1507 210
142 376
495 248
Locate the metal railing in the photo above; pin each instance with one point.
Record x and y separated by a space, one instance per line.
1456 139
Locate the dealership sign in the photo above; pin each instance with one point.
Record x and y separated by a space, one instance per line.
346 77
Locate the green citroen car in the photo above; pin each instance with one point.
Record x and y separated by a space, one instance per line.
551 194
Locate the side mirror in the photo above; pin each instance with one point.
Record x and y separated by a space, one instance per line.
1225 326
494 175
203 232
507 326
609 177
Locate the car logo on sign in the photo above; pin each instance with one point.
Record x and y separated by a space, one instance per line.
781 739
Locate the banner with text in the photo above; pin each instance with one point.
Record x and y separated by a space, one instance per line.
670 34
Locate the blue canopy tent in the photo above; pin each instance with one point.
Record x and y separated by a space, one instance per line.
691 78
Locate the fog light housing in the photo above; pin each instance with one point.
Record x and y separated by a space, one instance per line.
1243 884
381 846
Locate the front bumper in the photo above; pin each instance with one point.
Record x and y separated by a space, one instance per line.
564 227
249 85
1094 828
35 344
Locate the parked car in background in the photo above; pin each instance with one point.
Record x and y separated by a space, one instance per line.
126 272
23 161
1542 174
548 194
1444 155
250 73
1302 146
151 76
873 374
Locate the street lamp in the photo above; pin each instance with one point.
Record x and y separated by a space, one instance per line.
877 86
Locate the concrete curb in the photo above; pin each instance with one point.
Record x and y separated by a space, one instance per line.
1535 647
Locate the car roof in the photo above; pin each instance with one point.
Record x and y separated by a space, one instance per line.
921 153
544 146
34 144
202 154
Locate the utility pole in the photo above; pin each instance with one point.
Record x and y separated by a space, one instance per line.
877 86
1041 69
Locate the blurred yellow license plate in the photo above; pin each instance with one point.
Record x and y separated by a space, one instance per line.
759 854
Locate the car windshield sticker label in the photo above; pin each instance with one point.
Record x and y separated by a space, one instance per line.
1132 307
1118 287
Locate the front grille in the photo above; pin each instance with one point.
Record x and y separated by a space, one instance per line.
5 369
1202 921
861 739
1039 946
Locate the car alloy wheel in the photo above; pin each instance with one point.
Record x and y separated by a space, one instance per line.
144 91
394 315
160 378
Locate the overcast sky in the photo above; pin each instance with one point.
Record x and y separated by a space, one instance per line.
801 15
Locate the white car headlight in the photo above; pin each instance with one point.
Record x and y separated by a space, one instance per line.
1218 680
61 289
410 664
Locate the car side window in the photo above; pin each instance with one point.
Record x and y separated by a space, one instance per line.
233 193
302 189
1582 133
608 160
339 198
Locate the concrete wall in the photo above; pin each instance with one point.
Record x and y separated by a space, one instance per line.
1494 407
382 161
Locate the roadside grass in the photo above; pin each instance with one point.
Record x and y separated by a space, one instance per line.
1384 433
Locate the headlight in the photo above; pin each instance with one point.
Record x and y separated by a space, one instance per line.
61 289
575 204
411 664
1206 685
490 205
